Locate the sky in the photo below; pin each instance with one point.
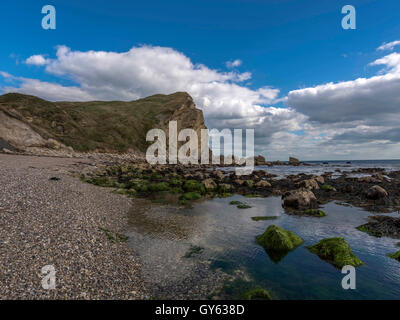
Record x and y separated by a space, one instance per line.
285 68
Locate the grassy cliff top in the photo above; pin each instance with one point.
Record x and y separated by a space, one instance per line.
106 126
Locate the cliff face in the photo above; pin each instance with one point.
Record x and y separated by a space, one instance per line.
28 123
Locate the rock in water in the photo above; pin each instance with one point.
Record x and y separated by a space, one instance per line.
395 255
309 184
299 199
262 184
259 160
382 226
376 192
277 242
335 251
294 161
257 294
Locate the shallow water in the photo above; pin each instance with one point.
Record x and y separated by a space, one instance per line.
227 234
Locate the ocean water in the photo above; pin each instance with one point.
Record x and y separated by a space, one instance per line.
226 236
319 167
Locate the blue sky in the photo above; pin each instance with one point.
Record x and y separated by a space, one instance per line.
285 45
290 44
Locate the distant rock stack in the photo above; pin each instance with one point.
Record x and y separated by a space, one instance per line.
294 161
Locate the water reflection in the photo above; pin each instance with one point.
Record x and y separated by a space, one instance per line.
162 235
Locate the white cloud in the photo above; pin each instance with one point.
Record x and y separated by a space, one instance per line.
37 60
363 99
234 63
147 70
361 116
349 119
389 46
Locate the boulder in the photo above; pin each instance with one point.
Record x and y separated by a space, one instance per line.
335 251
277 242
249 183
319 179
382 226
309 184
294 161
257 294
219 175
224 187
376 192
259 160
209 184
262 184
238 182
395 255
299 199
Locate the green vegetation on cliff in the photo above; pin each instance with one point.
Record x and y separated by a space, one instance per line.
105 126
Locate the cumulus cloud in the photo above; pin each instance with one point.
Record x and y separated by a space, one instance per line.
234 63
363 99
350 119
36 60
224 97
389 46
146 70
360 115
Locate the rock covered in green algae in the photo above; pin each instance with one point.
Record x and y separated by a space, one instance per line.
244 206
315 213
257 294
240 205
395 255
278 239
262 218
336 251
193 186
327 187
157 187
235 202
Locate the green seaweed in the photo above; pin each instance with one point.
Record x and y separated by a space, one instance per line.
256 294
327 187
315 213
395 255
365 228
264 218
190 196
278 242
335 251
194 186
224 195
243 206
157 187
